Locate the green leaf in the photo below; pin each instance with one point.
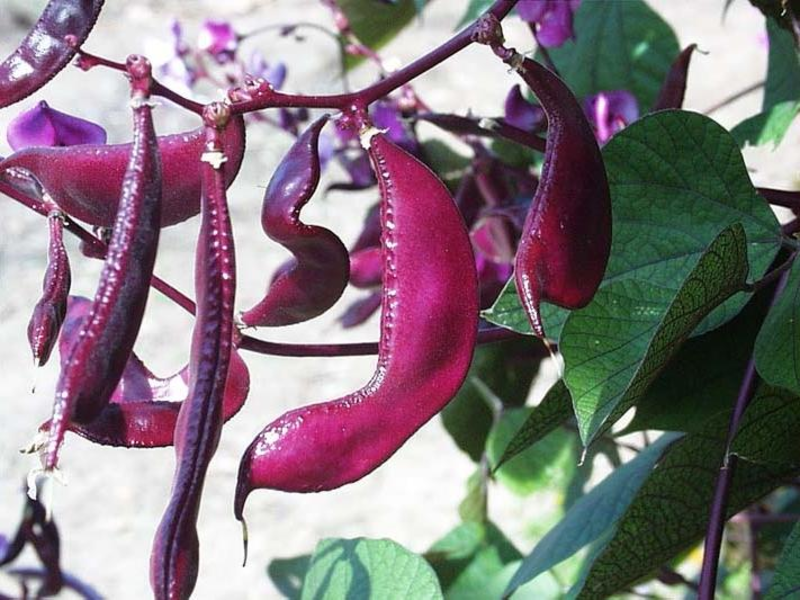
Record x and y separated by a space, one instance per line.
670 511
374 23
772 440
508 312
344 569
592 516
783 68
677 179
777 350
616 347
618 45
507 369
550 463
448 164
704 378
767 127
554 409
288 573
474 10
786 582
474 507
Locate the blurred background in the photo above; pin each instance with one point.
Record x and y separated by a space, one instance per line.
113 500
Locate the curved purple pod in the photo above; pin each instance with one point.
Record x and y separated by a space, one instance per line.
366 268
566 239
85 180
50 310
370 234
49 46
428 333
176 548
105 341
674 88
144 408
320 269
360 310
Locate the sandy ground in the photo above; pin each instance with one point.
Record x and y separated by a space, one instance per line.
109 510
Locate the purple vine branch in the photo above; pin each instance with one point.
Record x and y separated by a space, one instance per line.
734 97
719 506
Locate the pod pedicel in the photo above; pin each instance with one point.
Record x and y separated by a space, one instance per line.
50 310
105 341
566 238
320 270
428 332
84 180
49 46
176 548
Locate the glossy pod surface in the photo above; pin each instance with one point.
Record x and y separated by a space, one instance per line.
566 238
85 180
50 310
428 332
674 88
105 340
313 282
47 49
176 548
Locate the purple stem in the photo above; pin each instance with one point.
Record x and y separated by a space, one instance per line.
719 506
378 90
785 198
734 97
84 590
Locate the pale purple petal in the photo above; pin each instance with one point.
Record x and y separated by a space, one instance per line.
609 112
45 126
218 38
555 28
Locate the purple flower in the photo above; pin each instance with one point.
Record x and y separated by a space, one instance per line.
610 112
521 113
45 126
258 67
386 116
552 18
219 39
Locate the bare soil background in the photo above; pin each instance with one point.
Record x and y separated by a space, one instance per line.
113 502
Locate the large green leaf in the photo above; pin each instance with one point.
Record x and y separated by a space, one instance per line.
343 569
506 369
704 378
767 127
670 512
592 516
288 573
618 45
616 347
777 349
772 439
508 312
786 582
554 409
376 23
783 69
677 179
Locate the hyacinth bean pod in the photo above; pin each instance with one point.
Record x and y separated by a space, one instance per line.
175 554
50 310
674 88
566 238
144 408
85 180
366 267
319 272
428 332
360 310
49 46
105 341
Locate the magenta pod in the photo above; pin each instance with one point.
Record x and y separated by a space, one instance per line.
85 180
365 268
674 88
144 407
105 341
49 46
176 548
320 269
360 310
566 239
428 333
50 310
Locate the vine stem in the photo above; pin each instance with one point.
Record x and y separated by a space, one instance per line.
719 506
734 97
367 95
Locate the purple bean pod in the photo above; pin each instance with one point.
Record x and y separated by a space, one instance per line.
566 239
50 310
674 88
366 268
360 310
85 180
49 46
175 554
428 333
105 341
321 266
